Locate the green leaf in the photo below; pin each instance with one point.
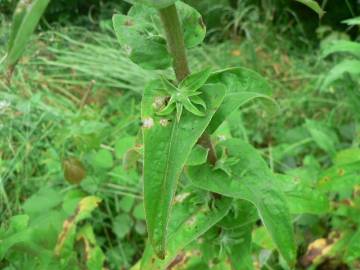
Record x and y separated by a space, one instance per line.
126 203
139 38
141 34
252 181
167 145
351 67
42 201
122 225
323 136
192 24
353 248
197 156
139 212
122 145
339 178
341 46
243 85
16 233
23 31
185 227
195 81
153 3
347 156
262 238
301 198
239 250
103 159
314 6
18 16
352 21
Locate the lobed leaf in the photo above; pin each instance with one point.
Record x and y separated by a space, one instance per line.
165 159
252 181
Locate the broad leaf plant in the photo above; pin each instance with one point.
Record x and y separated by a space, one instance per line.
225 182
180 114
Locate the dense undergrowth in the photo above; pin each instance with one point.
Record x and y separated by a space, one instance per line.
72 111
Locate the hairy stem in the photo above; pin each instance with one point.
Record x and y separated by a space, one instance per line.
175 41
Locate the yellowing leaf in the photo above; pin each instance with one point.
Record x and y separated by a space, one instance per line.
67 236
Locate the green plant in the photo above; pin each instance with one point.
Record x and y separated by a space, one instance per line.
226 185
179 144
347 70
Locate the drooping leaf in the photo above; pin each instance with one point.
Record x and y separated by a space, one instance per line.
164 160
186 225
243 85
314 6
23 31
141 34
252 180
341 46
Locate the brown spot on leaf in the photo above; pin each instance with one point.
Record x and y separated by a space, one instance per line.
129 23
341 172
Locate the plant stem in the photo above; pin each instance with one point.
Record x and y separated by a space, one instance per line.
176 46
175 41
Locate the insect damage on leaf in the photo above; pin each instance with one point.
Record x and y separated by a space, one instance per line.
148 122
